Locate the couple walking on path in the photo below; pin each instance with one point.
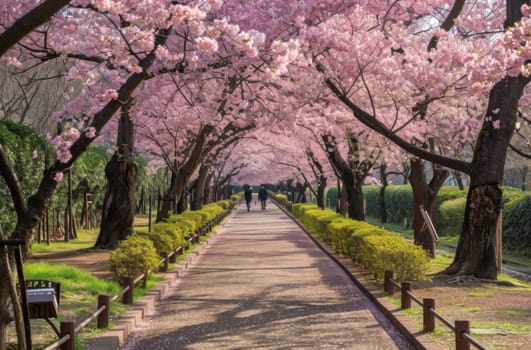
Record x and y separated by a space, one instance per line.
262 196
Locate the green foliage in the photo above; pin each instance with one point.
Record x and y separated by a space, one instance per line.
517 225
373 247
282 199
19 142
331 197
162 242
133 256
372 198
451 215
447 193
452 202
73 280
88 175
165 238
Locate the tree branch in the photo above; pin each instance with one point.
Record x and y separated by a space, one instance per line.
31 20
12 183
371 122
520 153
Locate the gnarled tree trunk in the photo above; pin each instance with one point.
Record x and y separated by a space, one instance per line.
119 205
199 188
475 252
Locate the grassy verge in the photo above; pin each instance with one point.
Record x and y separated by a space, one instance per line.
85 240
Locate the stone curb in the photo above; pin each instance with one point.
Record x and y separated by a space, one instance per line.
124 324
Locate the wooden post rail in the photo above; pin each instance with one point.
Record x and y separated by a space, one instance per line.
461 329
68 330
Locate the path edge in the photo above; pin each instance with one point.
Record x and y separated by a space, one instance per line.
360 277
116 336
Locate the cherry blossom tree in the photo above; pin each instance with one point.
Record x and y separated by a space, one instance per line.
111 61
382 63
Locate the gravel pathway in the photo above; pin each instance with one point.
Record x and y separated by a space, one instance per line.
261 283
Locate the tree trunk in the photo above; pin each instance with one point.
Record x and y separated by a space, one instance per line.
458 179
475 252
197 202
524 171
166 206
119 205
425 195
321 187
9 297
381 198
181 204
181 175
301 193
355 200
343 200
207 197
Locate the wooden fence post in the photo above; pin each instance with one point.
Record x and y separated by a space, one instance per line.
388 283
173 257
128 296
103 318
461 343
68 328
428 317
405 298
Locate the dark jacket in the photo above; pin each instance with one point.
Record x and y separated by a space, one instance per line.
248 195
262 194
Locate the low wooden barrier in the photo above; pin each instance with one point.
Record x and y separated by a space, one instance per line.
68 330
461 328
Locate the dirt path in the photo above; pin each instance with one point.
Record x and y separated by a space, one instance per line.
95 262
263 284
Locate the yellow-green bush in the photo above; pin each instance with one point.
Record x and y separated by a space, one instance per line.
140 252
162 242
174 232
133 256
374 248
299 209
282 199
235 198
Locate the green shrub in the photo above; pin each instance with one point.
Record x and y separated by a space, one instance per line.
235 198
331 197
373 247
372 200
451 215
339 231
517 225
447 193
298 209
133 257
282 199
388 252
161 241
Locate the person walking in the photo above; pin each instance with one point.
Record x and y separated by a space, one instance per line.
248 194
262 196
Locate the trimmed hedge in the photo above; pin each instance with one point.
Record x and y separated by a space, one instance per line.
373 247
451 215
517 225
282 199
134 255
399 205
141 252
